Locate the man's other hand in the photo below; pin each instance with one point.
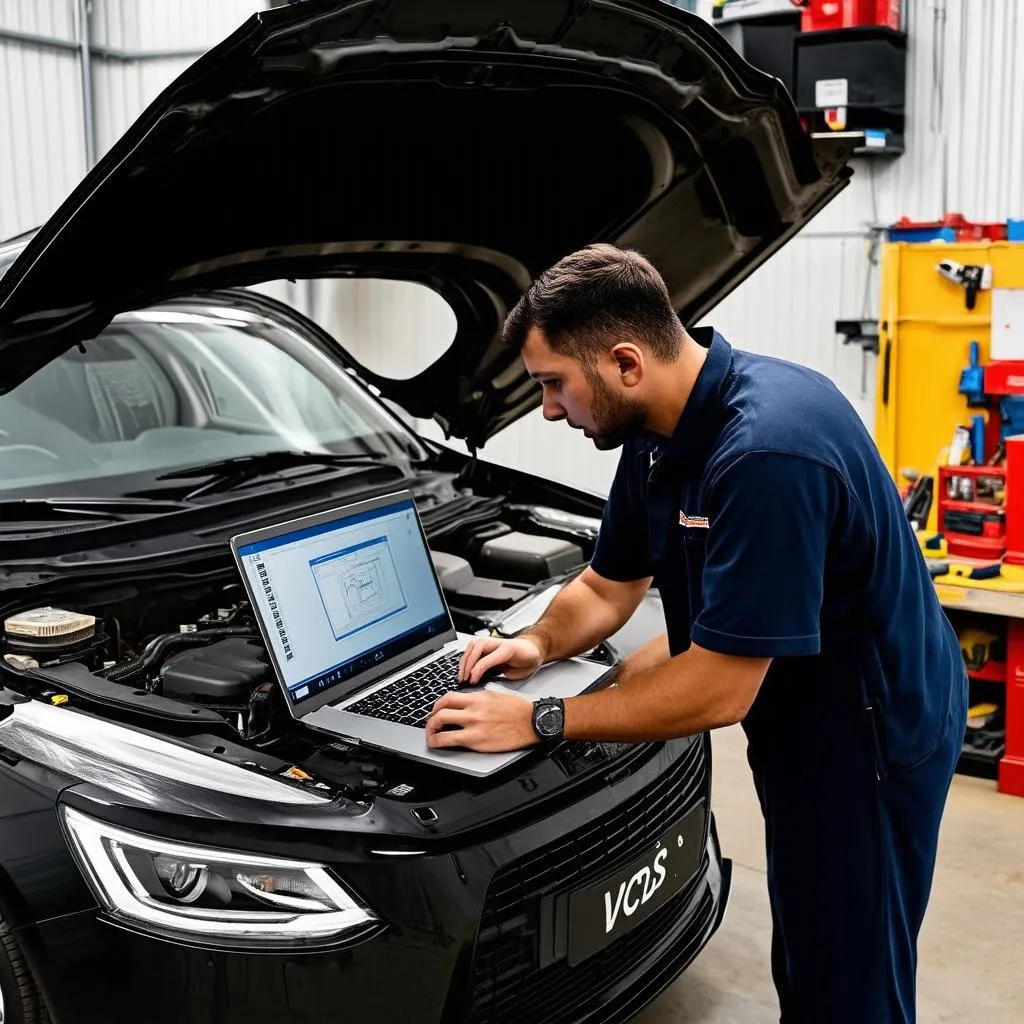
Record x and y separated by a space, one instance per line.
519 658
489 722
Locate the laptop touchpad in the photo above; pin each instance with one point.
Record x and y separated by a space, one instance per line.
557 679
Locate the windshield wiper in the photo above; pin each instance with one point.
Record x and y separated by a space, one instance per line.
58 510
228 473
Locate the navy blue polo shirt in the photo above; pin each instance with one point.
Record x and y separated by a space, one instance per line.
772 528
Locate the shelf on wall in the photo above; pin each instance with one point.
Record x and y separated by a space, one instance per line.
743 10
990 672
869 142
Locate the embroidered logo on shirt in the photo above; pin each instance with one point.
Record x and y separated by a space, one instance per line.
700 522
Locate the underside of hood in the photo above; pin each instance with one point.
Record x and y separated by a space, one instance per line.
466 146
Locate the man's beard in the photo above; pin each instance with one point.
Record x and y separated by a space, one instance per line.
616 420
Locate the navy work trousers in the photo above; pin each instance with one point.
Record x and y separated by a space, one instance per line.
850 864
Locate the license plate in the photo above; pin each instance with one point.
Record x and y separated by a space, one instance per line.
603 912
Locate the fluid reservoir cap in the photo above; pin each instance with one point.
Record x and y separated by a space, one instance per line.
49 623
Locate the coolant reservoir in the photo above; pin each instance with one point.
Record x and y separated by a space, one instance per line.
48 631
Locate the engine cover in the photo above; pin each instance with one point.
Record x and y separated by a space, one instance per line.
225 672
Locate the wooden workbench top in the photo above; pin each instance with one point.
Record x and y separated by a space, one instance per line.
972 599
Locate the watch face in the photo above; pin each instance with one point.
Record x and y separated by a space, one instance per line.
549 721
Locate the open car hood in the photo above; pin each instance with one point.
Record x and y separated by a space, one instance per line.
463 145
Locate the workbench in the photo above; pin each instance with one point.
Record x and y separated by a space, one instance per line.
1010 609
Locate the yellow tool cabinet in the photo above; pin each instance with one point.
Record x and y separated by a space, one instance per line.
925 335
925 332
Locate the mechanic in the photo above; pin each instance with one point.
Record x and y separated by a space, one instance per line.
796 600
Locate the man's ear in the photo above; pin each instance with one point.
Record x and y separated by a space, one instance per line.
630 362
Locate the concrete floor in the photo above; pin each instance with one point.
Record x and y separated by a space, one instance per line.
972 944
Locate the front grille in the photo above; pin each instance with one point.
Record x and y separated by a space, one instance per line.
508 985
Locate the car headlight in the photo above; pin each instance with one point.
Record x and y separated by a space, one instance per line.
210 895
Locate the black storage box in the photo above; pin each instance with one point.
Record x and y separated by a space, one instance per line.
527 558
872 62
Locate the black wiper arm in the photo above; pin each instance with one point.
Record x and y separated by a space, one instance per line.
76 509
227 473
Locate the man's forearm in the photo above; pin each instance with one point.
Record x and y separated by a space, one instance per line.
643 659
576 621
692 692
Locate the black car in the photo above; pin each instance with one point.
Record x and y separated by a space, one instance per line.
173 846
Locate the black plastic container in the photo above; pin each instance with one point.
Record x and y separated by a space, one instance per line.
872 61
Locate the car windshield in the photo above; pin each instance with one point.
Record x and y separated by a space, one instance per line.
180 386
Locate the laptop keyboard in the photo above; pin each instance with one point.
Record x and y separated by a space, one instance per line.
409 700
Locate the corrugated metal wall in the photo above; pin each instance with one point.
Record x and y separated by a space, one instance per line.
138 47
965 152
42 142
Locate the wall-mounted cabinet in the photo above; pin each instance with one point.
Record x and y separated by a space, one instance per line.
848 81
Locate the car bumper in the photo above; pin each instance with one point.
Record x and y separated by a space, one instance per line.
462 945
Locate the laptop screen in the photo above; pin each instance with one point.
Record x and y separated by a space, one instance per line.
340 597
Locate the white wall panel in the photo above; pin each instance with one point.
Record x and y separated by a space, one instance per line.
123 90
168 24
116 24
42 143
398 328
788 309
39 17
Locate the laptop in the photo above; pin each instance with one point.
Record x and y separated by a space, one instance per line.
359 632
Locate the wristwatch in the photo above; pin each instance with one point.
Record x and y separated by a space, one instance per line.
549 718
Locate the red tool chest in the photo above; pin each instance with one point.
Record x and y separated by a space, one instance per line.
1015 509
1004 377
822 15
971 510
1011 767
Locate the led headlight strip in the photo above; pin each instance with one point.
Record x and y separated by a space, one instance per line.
180 889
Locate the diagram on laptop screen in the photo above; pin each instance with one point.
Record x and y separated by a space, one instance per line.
359 586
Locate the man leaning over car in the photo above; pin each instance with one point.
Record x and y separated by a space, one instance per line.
796 601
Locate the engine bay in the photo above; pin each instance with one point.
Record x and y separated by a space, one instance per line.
187 650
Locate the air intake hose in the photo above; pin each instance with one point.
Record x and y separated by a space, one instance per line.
158 647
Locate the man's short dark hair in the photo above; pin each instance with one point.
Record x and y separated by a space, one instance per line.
594 298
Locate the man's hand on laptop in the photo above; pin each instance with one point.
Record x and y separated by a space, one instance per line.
518 658
486 721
